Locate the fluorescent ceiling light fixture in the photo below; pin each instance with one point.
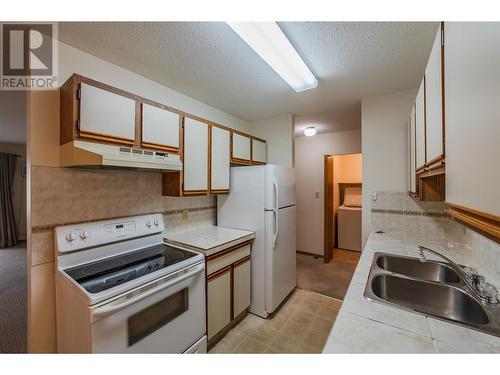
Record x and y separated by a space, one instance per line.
267 39
310 131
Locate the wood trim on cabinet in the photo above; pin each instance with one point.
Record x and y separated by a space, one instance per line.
209 159
258 163
156 146
219 191
484 222
241 261
240 161
219 273
106 138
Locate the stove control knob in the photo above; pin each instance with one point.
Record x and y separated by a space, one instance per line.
156 222
71 236
84 234
148 224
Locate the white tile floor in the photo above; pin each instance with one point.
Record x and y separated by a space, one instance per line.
301 325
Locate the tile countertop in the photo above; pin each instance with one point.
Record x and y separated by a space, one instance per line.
209 240
364 326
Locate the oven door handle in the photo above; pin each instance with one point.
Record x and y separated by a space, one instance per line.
144 291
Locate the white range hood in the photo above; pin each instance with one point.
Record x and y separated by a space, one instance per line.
87 154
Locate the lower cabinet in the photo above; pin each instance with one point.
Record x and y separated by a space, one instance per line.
228 287
241 286
219 301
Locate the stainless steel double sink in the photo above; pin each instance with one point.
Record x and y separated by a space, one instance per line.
429 288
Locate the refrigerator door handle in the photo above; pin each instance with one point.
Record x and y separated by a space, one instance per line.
276 212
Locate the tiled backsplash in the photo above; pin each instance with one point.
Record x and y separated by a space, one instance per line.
397 212
64 195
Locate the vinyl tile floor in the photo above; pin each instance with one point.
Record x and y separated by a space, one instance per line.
301 325
331 279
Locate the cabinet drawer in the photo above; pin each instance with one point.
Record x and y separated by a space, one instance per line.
217 263
241 286
219 302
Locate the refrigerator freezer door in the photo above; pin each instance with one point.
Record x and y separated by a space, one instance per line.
280 186
280 260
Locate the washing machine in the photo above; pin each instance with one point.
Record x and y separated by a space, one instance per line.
349 220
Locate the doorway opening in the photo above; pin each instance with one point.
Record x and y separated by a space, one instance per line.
13 223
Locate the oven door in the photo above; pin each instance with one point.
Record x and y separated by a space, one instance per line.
163 316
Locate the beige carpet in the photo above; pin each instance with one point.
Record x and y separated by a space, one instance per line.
331 279
13 296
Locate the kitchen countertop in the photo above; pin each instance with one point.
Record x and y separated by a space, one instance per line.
363 326
209 240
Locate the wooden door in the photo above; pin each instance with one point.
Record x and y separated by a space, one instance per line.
195 156
218 301
160 128
328 214
241 286
220 163
105 115
420 152
259 151
241 149
434 102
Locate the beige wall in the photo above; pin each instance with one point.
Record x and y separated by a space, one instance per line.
278 131
348 168
309 160
384 140
66 195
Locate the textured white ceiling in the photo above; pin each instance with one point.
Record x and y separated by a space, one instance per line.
345 118
13 116
209 62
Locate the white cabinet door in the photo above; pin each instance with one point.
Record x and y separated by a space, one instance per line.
411 148
218 303
420 126
106 114
195 155
434 102
241 147
160 127
259 151
472 79
241 287
220 158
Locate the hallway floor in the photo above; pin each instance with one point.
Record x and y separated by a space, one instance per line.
331 279
301 325
13 296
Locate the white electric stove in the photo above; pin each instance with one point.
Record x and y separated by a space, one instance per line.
120 289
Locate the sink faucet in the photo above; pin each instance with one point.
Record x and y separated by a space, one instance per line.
486 292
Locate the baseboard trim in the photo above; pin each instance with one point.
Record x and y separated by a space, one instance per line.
310 254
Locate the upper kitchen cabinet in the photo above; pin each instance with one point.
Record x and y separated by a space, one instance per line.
420 127
195 156
96 111
434 102
241 150
160 128
472 129
259 151
220 160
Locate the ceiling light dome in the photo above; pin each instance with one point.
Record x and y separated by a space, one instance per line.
310 131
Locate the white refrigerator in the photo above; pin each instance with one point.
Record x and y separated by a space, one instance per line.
262 199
